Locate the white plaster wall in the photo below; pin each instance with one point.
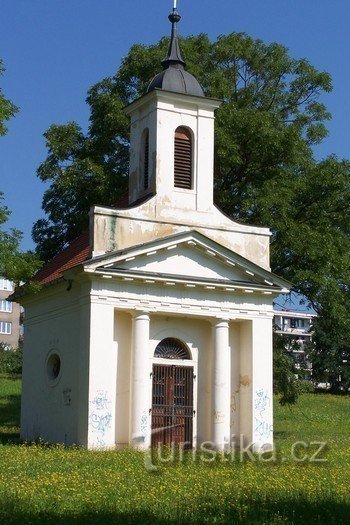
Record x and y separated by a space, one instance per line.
83 366
114 230
103 361
142 120
256 389
162 113
178 305
196 334
170 211
50 409
235 342
94 342
246 397
122 334
262 384
184 260
182 299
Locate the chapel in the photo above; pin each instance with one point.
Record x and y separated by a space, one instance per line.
155 326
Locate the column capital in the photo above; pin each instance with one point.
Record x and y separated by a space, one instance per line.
141 315
220 322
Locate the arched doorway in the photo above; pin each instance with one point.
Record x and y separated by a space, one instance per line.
172 396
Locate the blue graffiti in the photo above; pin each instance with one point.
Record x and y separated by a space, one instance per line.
100 418
263 428
101 423
262 401
100 401
144 423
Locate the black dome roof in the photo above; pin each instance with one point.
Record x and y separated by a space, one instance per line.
178 80
174 77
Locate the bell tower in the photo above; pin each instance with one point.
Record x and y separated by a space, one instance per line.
172 138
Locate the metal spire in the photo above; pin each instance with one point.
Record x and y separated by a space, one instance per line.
174 58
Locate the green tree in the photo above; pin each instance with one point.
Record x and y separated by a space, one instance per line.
265 170
330 348
7 108
14 265
264 130
289 380
285 382
11 360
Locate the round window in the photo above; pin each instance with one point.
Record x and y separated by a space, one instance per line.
53 366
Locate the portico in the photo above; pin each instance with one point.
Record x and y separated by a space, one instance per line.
226 331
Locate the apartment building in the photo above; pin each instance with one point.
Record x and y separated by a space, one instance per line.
298 326
10 316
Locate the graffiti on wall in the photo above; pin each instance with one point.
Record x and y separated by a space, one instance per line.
144 423
263 427
100 418
67 396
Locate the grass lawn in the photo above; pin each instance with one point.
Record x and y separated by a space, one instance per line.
53 485
10 405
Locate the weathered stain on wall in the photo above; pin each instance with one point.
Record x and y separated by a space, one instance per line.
245 380
115 231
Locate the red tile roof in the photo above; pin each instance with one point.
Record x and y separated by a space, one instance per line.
77 252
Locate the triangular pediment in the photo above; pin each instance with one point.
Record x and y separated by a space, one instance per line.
188 256
183 260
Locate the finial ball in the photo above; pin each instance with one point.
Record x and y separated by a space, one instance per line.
174 17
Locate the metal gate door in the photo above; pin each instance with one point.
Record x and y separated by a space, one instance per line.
172 405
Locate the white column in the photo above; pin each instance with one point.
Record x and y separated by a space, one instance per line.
221 385
141 381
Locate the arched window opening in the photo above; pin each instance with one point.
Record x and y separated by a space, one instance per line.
171 348
183 159
146 161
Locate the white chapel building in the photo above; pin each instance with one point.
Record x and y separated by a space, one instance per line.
156 325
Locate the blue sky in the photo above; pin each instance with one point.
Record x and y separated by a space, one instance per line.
54 50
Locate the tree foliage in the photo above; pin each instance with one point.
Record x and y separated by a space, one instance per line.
330 348
11 360
270 117
284 373
289 381
265 170
14 265
7 108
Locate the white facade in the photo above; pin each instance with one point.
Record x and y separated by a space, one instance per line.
172 268
105 332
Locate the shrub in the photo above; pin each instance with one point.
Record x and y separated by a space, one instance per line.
11 360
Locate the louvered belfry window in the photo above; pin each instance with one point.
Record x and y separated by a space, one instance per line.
183 159
146 162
